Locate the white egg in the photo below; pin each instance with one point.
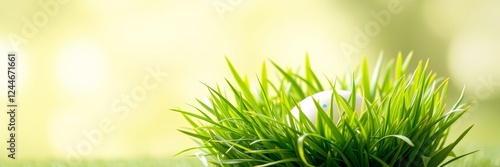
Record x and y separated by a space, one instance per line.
324 99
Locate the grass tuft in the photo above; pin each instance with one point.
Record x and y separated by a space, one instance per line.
404 121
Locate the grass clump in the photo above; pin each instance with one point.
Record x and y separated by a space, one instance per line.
404 121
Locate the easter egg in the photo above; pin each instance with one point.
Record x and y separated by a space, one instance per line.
324 99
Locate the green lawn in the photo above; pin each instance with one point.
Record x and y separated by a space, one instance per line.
167 162
487 157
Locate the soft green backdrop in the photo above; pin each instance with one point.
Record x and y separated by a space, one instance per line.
83 63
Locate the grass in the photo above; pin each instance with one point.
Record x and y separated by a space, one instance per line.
487 157
405 121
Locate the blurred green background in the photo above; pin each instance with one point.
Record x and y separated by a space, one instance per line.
97 78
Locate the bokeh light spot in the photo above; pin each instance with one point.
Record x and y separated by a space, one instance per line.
82 67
